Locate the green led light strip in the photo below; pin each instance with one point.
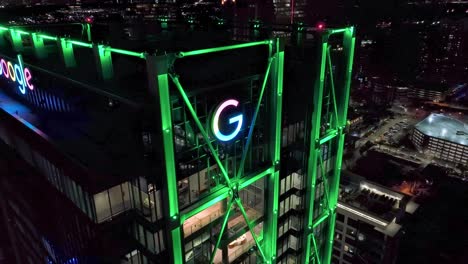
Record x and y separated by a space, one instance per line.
47 37
218 49
141 55
75 42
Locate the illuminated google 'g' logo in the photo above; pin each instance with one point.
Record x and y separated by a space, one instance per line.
235 119
16 73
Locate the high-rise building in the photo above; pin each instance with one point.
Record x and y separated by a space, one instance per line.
205 150
369 222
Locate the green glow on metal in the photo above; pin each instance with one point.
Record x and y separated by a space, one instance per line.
3 28
251 229
47 37
169 158
22 32
324 178
320 219
240 183
314 152
104 61
225 221
271 222
38 44
127 52
17 40
329 136
218 49
316 249
348 44
67 54
336 31
254 119
246 182
87 30
175 80
337 104
332 84
80 43
205 205
177 245
168 144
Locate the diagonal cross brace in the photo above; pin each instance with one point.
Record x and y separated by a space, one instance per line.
254 119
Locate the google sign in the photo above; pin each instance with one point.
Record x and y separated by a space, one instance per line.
16 73
238 120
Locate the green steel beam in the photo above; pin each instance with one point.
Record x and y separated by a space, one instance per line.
159 88
321 219
225 48
222 193
21 32
238 183
220 236
276 98
317 255
332 87
17 40
47 37
87 31
103 59
254 119
79 43
343 101
329 136
339 30
252 231
246 181
337 99
175 80
67 53
314 149
206 203
38 44
140 55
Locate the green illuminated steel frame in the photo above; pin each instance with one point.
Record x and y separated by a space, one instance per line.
266 245
103 53
336 99
160 77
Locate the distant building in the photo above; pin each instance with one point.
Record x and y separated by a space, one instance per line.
401 94
383 93
428 92
442 136
368 223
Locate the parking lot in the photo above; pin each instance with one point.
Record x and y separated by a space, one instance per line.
393 130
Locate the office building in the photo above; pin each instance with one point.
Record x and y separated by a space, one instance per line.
369 222
172 144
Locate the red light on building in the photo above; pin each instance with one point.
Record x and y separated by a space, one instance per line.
89 20
320 26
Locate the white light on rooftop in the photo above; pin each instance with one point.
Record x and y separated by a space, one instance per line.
444 131
370 218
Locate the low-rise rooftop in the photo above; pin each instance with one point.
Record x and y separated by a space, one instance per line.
373 203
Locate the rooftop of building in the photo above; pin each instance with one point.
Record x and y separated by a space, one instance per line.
373 203
443 127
